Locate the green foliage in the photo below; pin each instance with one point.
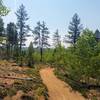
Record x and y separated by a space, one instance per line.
40 91
3 9
3 92
22 59
25 86
81 62
58 55
47 57
95 67
7 91
30 56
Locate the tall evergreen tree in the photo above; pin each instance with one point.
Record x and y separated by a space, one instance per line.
12 38
22 18
41 37
75 29
57 46
30 55
56 39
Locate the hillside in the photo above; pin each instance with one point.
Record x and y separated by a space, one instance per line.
16 83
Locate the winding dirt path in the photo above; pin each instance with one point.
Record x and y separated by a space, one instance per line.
58 90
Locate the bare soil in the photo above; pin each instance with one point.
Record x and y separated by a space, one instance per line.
57 89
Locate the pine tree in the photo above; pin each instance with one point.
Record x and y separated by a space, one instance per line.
75 29
30 55
56 39
57 45
12 38
22 18
41 37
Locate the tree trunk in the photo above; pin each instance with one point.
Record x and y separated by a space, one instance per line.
41 53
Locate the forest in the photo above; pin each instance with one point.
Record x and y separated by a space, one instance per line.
77 64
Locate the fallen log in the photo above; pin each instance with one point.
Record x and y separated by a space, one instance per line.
27 79
83 84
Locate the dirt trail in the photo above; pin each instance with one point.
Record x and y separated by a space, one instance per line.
58 90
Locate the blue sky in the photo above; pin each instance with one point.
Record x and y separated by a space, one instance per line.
57 13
